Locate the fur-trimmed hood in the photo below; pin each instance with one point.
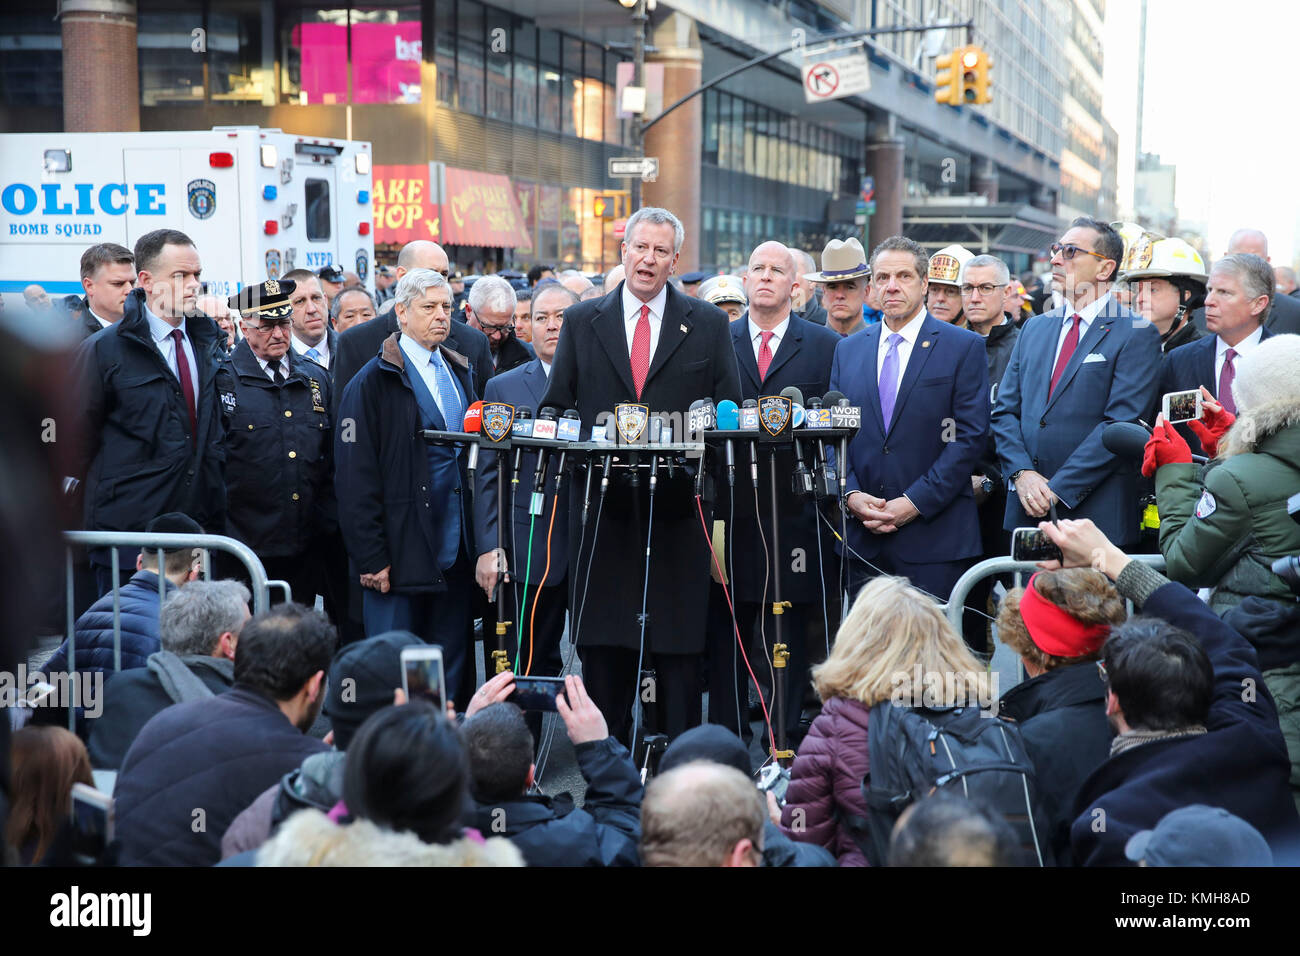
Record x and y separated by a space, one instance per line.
1254 426
310 838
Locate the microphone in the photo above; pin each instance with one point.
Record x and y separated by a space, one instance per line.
749 423
544 426
834 398
802 481
839 400
728 417
702 415
569 429
819 417
473 426
522 428
1128 440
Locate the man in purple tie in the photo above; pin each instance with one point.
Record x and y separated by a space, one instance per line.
923 388
1073 371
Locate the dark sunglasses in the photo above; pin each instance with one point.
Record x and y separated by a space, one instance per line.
1069 250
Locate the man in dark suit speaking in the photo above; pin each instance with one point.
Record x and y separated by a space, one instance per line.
923 388
647 343
1073 371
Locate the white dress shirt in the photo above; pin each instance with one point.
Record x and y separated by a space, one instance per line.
632 315
910 332
1242 348
322 348
103 323
270 372
1086 315
422 359
546 367
778 333
161 331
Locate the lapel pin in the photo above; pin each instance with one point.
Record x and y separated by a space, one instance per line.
683 328
925 344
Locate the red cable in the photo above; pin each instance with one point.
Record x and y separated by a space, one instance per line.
532 615
767 719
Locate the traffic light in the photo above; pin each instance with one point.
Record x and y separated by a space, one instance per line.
982 82
947 83
963 78
603 207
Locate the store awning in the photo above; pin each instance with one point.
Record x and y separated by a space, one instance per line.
402 205
480 209
992 228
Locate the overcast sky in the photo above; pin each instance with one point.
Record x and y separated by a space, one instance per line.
1222 105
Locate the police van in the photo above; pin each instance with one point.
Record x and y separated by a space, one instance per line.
256 202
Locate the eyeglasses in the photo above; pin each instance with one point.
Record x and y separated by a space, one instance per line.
496 329
1069 250
266 328
987 288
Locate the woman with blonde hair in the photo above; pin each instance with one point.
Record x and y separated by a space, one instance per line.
895 645
44 764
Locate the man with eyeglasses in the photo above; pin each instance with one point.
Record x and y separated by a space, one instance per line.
490 308
360 344
985 284
279 438
1073 371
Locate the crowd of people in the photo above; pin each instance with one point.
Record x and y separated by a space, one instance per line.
291 418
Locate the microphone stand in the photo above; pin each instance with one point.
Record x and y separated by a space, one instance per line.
780 651
501 656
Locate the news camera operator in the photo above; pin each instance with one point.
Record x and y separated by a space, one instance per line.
1225 530
644 343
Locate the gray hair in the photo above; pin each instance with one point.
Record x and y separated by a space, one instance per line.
194 616
803 262
989 262
549 289
492 293
335 304
903 244
658 217
415 284
1254 274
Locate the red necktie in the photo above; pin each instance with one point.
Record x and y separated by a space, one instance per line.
764 354
641 350
187 385
1226 375
1067 349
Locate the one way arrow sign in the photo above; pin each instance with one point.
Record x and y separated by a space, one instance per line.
631 167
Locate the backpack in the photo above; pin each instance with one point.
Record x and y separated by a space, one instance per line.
916 751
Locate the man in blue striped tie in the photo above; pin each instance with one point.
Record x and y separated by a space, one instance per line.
404 504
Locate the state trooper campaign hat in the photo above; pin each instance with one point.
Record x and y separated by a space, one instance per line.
842 260
268 301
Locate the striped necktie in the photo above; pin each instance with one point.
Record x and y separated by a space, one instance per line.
448 395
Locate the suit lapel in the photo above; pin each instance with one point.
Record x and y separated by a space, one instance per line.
608 327
1091 339
673 329
788 348
921 349
745 352
1205 364
536 382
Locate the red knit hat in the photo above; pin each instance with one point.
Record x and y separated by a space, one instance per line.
1056 631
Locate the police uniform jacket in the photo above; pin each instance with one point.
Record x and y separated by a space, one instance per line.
279 446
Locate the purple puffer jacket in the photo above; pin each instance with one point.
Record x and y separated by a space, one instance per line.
827 774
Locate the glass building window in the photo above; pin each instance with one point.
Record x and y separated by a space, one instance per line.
317 193
31 61
444 63
170 72
470 78
710 155
498 86
313 57
238 72
613 127
386 53
548 96
525 67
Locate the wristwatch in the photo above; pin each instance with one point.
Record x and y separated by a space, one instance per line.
844 499
1015 475
987 485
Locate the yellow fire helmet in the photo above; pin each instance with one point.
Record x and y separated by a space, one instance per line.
1160 257
947 263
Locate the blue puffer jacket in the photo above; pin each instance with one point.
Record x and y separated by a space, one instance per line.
94 629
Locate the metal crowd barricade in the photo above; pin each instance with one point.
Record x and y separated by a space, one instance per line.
115 541
995 566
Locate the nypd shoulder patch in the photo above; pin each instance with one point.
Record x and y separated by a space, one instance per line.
1206 506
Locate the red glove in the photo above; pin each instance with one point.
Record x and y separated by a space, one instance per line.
1164 447
1212 426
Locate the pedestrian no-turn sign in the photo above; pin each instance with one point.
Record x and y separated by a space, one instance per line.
831 74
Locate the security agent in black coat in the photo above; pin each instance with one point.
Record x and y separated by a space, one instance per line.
142 456
275 410
693 359
802 359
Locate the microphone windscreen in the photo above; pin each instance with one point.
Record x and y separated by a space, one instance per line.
473 418
793 393
1125 440
834 398
523 411
728 415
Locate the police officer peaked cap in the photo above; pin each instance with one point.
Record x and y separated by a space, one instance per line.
270 300
690 278
330 273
